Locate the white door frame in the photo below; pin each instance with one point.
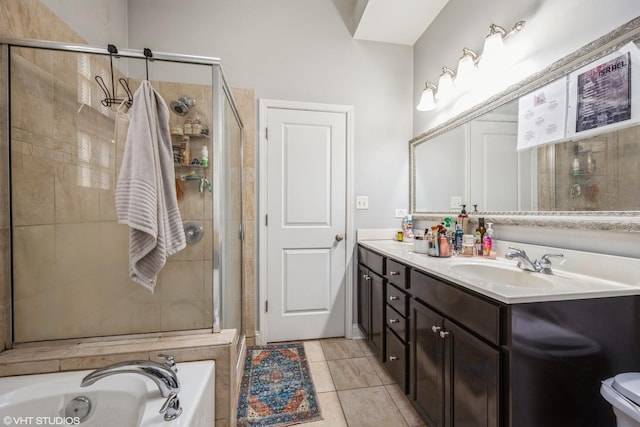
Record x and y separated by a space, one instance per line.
262 333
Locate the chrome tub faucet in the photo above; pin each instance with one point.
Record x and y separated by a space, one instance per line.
164 375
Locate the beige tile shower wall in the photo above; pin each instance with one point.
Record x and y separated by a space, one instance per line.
65 166
25 19
246 104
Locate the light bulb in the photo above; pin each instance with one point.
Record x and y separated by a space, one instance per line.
427 101
445 84
466 69
493 52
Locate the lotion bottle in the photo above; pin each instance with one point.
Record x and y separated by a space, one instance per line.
487 241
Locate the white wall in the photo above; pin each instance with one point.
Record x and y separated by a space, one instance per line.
302 51
553 29
99 22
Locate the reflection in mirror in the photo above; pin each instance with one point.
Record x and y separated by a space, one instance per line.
593 174
440 172
473 157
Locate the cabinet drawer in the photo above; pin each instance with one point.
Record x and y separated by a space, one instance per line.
397 273
372 260
397 299
397 323
479 315
396 360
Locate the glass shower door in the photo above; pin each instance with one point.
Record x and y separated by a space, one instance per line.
231 253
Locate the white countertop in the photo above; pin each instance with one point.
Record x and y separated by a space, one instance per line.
579 275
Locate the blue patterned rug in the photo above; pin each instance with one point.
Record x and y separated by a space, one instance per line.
276 387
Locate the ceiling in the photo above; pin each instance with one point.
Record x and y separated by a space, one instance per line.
394 21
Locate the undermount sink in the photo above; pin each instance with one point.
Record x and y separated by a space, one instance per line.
503 274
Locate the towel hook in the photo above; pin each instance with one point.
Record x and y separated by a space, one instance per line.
147 54
110 95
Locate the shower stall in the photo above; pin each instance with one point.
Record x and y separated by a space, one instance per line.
63 124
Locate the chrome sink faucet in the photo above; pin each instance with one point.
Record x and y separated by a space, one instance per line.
164 375
543 266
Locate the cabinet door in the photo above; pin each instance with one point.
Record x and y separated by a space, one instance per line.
426 371
472 380
377 313
364 301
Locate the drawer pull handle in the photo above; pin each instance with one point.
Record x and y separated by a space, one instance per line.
435 329
394 298
366 277
393 358
444 334
394 273
394 321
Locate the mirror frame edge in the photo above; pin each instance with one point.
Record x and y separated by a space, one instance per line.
586 220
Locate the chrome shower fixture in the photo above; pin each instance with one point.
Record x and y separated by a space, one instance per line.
181 105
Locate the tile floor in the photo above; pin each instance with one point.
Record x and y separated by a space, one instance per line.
353 387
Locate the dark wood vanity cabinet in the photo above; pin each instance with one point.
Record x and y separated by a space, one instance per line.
397 336
467 360
396 323
370 304
454 375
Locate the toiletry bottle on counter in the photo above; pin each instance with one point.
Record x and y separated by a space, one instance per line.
444 248
409 227
479 235
487 241
463 220
458 238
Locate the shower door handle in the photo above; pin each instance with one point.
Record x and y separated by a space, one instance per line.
339 237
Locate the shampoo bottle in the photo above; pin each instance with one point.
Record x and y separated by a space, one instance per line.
487 241
204 161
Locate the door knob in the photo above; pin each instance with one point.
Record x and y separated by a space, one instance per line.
339 237
435 329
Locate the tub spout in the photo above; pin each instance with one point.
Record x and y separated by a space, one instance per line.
161 374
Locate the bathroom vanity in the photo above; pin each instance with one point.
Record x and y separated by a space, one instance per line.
471 349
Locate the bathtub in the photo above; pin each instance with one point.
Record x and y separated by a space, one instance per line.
126 400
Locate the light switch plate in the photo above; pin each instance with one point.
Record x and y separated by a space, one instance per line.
362 202
401 213
456 202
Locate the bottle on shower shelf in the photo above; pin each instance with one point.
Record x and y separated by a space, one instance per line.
204 160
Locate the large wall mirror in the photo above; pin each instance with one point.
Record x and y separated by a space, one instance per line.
580 180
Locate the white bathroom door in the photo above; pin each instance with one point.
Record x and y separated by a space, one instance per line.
306 219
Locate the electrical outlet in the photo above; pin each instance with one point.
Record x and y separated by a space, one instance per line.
362 202
401 213
456 202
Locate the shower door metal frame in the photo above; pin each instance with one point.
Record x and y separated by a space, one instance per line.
220 89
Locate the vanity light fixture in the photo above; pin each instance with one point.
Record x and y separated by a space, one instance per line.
445 84
466 69
427 101
493 51
491 59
